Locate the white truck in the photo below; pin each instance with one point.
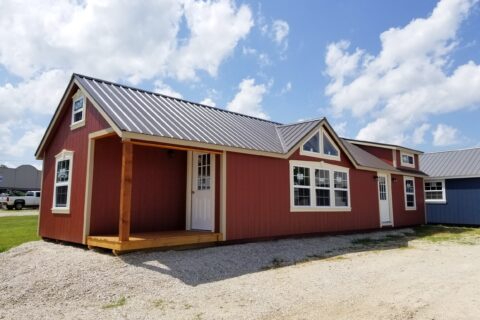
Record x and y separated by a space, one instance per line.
31 199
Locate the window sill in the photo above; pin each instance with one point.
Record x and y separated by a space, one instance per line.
435 201
61 210
318 155
411 209
77 125
318 209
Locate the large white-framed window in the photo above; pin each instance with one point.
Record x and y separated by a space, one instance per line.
320 145
409 188
435 191
407 159
78 110
62 186
318 186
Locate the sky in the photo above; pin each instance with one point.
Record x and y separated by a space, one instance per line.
401 72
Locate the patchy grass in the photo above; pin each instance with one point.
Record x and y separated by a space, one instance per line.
387 240
120 302
275 263
16 230
463 235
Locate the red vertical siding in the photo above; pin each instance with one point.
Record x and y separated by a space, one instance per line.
381 153
158 188
105 205
68 227
404 217
258 200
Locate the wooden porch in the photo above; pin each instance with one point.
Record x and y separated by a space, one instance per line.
164 239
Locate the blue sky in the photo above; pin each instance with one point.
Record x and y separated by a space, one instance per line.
402 72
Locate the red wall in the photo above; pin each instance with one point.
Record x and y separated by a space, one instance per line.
258 200
402 217
68 227
158 188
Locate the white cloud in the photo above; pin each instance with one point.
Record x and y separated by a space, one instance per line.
418 136
209 102
280 30
249 51
286 88
340 128
210 42
163 88
445 135
38 95
43 42
249 98
409 80
126 39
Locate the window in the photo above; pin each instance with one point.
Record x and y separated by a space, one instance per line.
319 187
29 194
203 175
313 145
78 110
320 145
328 146
435 191
63 181
407 160
409 193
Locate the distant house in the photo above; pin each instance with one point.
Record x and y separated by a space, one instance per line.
126 169
22 178
452 190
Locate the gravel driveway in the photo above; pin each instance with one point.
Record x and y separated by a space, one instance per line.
338 277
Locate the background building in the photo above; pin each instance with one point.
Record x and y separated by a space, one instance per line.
23 178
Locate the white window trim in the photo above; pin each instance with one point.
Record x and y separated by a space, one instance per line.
321 131
406 164
78 95
322 166
444 195
64 155
405 179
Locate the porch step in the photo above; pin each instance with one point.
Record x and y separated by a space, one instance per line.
138 241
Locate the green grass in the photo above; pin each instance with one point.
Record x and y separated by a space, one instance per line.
439 233
17 230
120 302
389 238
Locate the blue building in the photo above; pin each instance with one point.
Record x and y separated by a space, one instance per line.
452 190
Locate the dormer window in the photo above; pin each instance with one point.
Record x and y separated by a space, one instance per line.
78 110
323 147
407 160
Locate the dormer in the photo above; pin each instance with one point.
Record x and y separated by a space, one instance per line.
320 145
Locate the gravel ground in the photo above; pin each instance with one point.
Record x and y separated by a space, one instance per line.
311 278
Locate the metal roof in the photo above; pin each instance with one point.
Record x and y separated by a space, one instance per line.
454 164
382 145
366 159
138 111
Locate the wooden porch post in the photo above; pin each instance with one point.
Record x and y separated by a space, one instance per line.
125 191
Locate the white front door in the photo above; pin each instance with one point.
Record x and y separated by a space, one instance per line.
203 191
383 198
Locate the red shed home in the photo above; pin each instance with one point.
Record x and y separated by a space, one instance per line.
128 169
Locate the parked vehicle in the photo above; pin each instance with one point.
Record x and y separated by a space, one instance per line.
31 199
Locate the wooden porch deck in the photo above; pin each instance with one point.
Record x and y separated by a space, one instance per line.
138 241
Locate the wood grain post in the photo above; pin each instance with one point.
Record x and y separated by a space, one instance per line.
125 191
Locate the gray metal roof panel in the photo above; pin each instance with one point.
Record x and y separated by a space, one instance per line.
456 163
144 112
366 159
291 134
